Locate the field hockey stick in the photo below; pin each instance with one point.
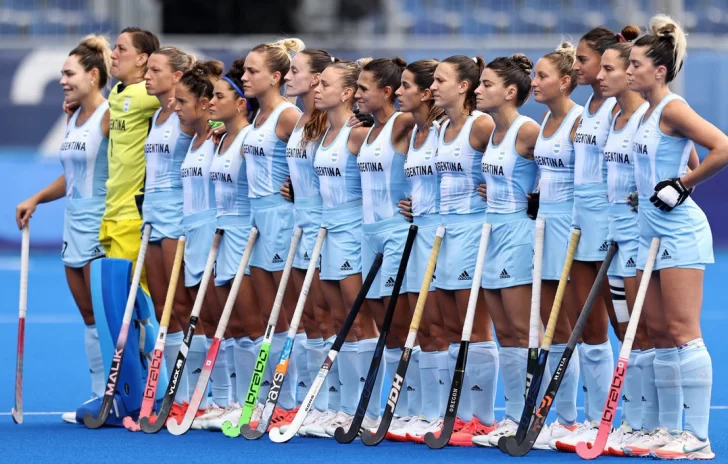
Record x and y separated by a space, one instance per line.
17 411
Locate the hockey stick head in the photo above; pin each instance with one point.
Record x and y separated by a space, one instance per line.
17 415
346 436
154 424
516 449
436 441
250 433
231 430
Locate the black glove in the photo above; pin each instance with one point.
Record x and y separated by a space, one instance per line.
532 209
366 119
290 188
669 194
633 200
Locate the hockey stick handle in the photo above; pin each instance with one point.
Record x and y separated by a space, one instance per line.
475 288
535 319
310 272
356 306
593 295
561 289
278 302
639 300
24 266
424 288
138 267
209 265
173 280
235 288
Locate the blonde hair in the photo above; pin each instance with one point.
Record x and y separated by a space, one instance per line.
279 54
564 58
178 60
94 52
666 43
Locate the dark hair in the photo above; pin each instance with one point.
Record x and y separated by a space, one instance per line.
666 44
200 80
564 58
387 72
93 52
468 69
315 127
350 71
143 40
278 54
600 38
514 70
424 73
623 50
235 74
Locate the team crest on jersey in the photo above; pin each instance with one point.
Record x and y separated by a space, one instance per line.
261 137
200 156
127 104
457 151
428 155
167 133
646 133
501 155
378 151
228 162
85 133
334 156
557 147
625 143
597 123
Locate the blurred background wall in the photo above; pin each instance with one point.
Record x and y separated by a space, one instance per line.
36 36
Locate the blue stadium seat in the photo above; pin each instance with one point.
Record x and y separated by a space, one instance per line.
97 26
10 29
68 5
22 5
44 27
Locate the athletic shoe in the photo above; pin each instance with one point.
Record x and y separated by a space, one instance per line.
587 432
278 415
619 437
283 423
400 427
685 446
312 416
318 428
369 425
506 428
457 426
232 413
342 419
545 436
213 411
643 445
472 429
418 430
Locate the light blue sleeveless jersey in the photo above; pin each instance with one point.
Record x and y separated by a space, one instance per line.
508 175
458 165
165 150
265 156
555 158
198 189
337 170
589 141
83 156
383 181
619 159
421 173
228 173
300 166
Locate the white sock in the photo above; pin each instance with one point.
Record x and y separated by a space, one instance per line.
650 403
366 353
598 360
195 361
314 359
95 361
669 387
230 355
414 384
696 371
632 393
430 384
244 361
333 381
445 379
513 362
565 401
349 376
391 359
220 376
584 383
482 368
300 353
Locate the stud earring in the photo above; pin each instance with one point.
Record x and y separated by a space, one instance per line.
92 82
561 89
238 110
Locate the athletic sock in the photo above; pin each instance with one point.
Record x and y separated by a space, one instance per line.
696 371
333 381
287 393
95 361
195 361
565 402
445 379
391 358
430 384
244 362
300 353
414 384
669 387
598 368
171 349
513 362
482 367
584 385
452 359
233 375
632 393
314 358
465 406
349 376
650 405
366 353
220 376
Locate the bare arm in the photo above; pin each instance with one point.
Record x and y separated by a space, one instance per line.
526 140
480 135
24 211
286 123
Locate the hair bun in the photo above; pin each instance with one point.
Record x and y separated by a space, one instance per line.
97 43
522 61
400 62
361 62
630 32
211 69
664 26
292 45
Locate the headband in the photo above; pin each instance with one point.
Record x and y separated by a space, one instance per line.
621 38
240 92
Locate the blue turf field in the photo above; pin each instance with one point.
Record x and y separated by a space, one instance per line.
56 380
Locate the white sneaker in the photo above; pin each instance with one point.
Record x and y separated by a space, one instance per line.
505 428
400 427
619 437
69 417
317 429
684 446
421 428
311 417
643 445
232 413
555 431
369 425
341 420
257 412
213 411
586 432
